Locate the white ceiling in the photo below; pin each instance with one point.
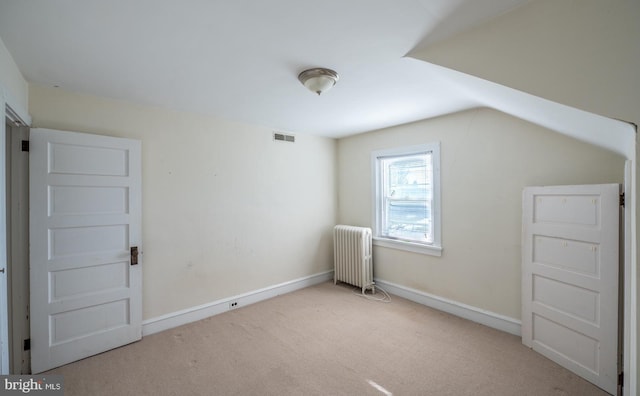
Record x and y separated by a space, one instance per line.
240 59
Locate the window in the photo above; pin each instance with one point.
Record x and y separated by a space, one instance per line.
407 198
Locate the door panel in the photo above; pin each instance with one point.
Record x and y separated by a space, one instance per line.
570 278
85 195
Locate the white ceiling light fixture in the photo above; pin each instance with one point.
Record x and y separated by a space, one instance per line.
318 80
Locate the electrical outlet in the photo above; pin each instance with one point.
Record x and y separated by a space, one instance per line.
233 304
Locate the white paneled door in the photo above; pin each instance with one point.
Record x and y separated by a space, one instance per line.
85 236
570 278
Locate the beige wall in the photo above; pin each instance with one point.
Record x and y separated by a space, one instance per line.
11 78
226 210
583 53
487 158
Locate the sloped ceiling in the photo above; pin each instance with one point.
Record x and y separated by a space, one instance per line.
583 54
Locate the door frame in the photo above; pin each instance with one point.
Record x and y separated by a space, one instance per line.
15 112
630 363
627 247
18 246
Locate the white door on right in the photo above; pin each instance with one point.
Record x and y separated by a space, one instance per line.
570 278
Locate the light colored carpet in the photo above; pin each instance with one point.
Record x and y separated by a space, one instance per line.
325 340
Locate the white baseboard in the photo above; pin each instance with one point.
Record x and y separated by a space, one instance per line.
179 318
193 314
487 318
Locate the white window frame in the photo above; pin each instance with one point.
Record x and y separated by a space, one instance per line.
434 248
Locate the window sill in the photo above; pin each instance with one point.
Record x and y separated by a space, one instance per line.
408 246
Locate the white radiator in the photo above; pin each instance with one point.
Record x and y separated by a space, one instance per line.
352 256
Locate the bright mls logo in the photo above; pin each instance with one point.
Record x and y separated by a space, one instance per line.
49 385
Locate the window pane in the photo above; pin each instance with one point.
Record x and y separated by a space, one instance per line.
409 220
407 193
406 176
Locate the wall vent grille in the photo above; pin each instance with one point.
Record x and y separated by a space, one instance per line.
283 138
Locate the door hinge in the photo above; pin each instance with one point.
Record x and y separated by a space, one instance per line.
27 344
25 145
621 378
622 199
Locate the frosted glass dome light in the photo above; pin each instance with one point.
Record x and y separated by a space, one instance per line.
318 80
